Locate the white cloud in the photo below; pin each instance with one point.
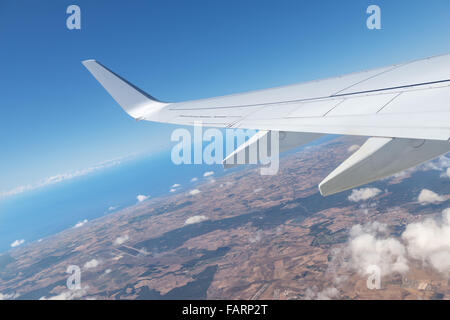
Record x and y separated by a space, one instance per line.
120 240
69 295
142 252
363 194
448 172
368 246
194 192
107 271
195 219
257 190
428 196
60 178
328 294
80 223
194 179
325 294
176 185
112 208
255 238
9 296
208 173
17 243
429 241
172 190
91 264
439 164
353 148
142 197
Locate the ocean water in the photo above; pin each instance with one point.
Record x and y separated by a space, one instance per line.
46 211
43 212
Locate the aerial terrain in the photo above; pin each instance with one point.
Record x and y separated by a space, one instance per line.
247 236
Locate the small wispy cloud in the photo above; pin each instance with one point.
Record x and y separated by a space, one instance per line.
256 237
195 219
80 223
121 240
194 179
326 294
60 178
353 148
17 243
176 185
112 208
363 194
141 198
91 264
208 173
194 192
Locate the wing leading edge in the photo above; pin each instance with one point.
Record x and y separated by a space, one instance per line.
400 106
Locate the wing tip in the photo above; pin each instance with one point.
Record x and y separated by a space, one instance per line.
90 63
324 191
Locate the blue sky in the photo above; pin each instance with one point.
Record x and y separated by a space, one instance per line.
55 118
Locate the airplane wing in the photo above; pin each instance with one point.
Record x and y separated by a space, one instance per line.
404 109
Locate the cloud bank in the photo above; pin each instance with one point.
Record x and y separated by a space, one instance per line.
9 296
60 178
368 246
429 241
426 242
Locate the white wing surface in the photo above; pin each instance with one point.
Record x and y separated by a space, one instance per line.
409 101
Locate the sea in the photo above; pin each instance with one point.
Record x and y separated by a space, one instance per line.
37 214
